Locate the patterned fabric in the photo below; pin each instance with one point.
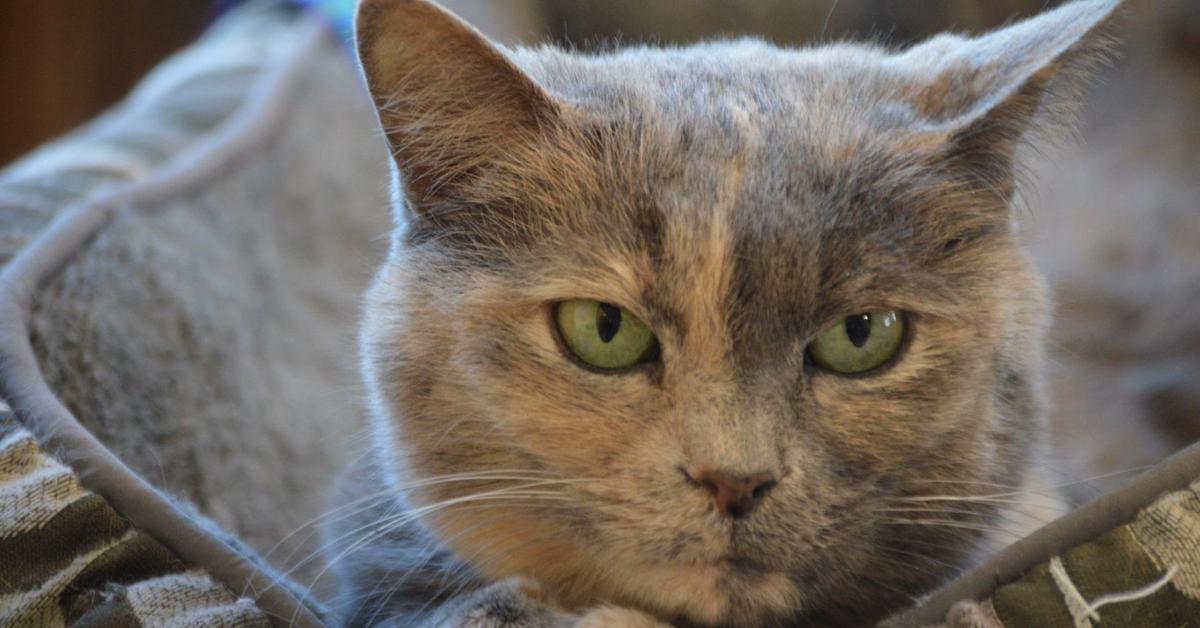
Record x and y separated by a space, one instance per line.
67 558
1145 573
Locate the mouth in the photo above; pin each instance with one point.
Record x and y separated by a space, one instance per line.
717 590
739 565
730 564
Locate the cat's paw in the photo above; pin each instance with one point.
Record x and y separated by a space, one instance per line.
518 603
969 614
614 617
510 603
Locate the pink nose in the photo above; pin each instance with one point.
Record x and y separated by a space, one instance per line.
734 495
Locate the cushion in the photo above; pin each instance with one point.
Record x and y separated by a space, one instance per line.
179 292
69 558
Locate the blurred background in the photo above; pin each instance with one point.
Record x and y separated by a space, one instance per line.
64 61
1114 221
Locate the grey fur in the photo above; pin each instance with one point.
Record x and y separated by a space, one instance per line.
739 198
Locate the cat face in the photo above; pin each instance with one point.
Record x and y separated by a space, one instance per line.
731 205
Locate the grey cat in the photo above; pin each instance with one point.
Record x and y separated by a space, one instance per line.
726 334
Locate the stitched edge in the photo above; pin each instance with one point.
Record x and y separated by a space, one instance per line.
1077 605
37 407
1084 524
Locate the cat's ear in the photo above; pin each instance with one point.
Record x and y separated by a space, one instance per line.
448 99
985 94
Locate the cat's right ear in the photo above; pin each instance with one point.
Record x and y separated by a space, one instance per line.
449 100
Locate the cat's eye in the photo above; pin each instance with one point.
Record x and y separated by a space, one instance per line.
859 343
603 335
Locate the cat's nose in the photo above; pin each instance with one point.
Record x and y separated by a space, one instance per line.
735 495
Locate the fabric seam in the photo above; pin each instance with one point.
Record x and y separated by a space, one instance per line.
58 431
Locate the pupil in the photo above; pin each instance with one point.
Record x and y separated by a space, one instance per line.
608 321
858 329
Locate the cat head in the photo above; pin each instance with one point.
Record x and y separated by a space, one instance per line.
703 330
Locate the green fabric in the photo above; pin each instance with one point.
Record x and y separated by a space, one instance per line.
1126 559
1032 601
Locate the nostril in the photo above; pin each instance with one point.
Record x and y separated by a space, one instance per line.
687 477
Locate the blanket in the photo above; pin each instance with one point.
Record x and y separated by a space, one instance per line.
1143 573
144 261
178 287
68 558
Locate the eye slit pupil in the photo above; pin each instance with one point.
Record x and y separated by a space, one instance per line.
858 329
608 321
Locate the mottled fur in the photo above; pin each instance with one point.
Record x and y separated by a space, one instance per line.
737 197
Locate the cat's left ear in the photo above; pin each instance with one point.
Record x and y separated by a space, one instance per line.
984 94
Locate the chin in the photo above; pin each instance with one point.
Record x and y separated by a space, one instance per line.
725 592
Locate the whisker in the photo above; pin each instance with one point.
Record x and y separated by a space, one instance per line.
413 513
1015 519
480 476
461 581
948 523
1037 489
386 526
464 569
987 499
948 511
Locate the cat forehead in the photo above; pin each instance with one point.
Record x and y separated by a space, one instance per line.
792 119
772 146
766 128
698 85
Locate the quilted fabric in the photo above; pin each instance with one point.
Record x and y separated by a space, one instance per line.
67 558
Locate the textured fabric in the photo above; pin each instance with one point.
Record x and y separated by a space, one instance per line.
66 557
197 318
1169 531
1141 574
206 336
1089 551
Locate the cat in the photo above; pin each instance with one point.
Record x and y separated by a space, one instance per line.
726 334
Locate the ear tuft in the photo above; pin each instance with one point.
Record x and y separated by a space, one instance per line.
448 99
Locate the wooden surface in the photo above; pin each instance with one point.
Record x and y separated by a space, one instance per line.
64 61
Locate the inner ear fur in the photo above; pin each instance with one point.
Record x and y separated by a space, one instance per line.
985 95
449 101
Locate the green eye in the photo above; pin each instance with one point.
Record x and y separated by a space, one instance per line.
860 342
604 336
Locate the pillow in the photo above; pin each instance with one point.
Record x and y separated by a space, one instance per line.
179 292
